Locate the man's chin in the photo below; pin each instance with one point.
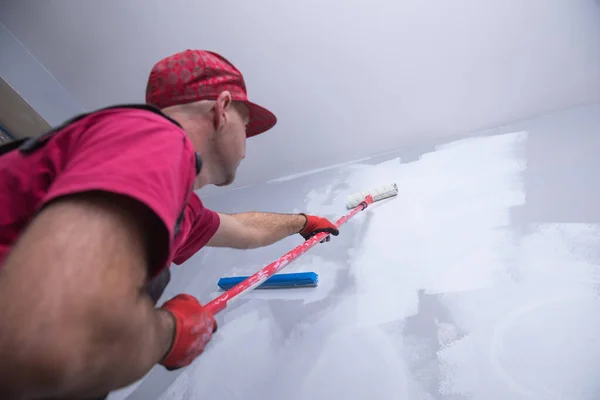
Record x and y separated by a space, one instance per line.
228 181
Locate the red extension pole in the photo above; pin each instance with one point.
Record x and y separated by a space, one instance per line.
220 303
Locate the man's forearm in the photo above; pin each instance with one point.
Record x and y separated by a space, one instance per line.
108 354
268 228
257 229
139 344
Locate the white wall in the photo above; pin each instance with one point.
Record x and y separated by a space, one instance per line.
346 78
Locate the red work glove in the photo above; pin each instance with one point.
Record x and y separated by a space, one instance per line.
316 225
194 327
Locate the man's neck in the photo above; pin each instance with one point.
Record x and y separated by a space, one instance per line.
195 128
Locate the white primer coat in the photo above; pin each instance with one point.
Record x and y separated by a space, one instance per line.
514 301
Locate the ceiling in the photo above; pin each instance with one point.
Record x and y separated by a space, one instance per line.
346 78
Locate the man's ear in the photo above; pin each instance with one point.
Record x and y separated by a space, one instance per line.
222 106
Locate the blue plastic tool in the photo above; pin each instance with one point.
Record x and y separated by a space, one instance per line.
277 281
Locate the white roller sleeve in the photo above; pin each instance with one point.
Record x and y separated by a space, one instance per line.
378 193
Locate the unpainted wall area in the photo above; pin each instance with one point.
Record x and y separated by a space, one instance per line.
34 84
479 281
346 78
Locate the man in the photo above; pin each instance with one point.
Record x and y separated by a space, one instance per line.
94 211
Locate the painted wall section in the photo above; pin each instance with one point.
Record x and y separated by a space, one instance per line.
479 281
32 81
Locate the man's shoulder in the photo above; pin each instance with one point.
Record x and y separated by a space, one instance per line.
125 141
124 126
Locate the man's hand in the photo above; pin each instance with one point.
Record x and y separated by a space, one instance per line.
194 327
315 225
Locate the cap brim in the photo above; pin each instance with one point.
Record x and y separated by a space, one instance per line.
261 119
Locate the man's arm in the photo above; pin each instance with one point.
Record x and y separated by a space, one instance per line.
258 229
75 321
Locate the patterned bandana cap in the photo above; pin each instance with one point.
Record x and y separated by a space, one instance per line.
194 75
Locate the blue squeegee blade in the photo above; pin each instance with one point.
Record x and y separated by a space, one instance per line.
277 281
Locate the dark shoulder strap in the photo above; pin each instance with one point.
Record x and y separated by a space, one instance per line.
10 146
27 145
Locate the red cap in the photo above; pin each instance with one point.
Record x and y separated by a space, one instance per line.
194 75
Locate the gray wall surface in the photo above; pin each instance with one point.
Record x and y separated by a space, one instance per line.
347 78
24 73
479 281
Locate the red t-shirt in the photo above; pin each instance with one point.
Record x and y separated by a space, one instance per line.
128 151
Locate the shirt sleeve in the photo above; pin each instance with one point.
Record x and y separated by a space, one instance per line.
133 153
198 227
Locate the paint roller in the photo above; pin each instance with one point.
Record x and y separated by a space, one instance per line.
379 193
267 278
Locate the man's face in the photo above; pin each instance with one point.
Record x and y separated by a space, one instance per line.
230 143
